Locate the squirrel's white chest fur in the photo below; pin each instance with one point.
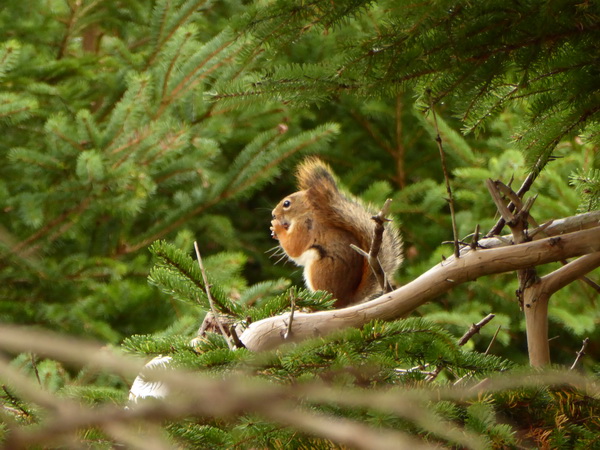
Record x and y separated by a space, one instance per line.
306 259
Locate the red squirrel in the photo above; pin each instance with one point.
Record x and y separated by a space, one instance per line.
315 227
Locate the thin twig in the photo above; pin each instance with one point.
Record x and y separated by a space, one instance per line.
475 328
35 368
450 199
210 299
380 219
487 350
17 404
288 333
540 229
433 375
475 239
372 257
505 212
407 371
580 353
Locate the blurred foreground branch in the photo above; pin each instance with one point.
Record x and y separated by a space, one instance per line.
201 395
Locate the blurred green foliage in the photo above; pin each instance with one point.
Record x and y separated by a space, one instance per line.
132 129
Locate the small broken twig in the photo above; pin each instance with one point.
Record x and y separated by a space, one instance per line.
475 239
288 333
539 165
210 299
475 328
372 257
487 351
580 353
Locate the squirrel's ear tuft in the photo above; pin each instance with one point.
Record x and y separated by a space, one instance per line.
312 172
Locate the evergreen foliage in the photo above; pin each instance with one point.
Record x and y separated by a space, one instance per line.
481 56
109 144
132 129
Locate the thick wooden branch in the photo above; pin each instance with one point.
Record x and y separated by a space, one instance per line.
535 304
268 333
534 293
570 272
555 228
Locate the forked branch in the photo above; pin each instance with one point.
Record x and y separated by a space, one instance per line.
268 333
534 292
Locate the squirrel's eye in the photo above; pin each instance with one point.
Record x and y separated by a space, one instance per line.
287 204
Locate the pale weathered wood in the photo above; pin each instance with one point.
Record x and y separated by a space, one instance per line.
268 333
535 305
557 227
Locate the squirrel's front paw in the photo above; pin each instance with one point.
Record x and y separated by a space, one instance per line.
278 227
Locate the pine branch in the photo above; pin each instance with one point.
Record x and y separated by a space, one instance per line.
255 171
26 246
201 395
472 331
180 267
31 391
163 29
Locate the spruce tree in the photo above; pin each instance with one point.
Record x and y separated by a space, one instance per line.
109 143
132 130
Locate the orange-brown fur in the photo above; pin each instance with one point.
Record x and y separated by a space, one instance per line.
315 227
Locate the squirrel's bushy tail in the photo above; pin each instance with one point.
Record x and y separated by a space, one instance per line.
347 213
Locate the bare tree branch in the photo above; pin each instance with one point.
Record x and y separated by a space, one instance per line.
570 272
266 334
